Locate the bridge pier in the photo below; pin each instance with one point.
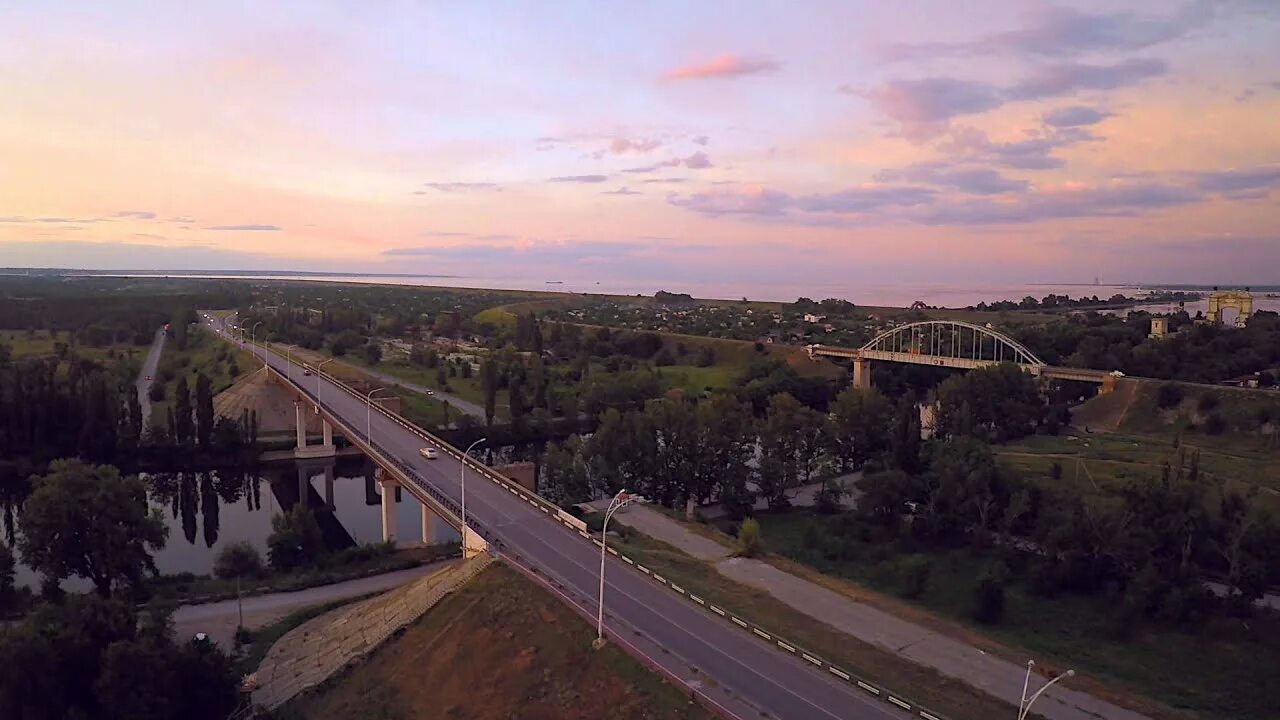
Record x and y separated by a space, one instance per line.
388 485
328 486
428 524
301 449
862 374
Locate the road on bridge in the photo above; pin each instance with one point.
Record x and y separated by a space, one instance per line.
744 675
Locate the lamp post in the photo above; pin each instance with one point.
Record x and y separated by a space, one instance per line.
619 501
368 416
253 330
1024 706
462 479
288 361
320 365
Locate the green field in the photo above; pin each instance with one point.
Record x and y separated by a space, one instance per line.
45 343
1233 658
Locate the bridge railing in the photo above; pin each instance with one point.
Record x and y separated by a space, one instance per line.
481 469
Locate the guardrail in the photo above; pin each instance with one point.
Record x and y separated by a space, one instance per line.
762 634
481 469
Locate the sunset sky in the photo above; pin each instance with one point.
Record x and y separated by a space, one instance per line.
839 141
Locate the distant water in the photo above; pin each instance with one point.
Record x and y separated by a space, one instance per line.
890 295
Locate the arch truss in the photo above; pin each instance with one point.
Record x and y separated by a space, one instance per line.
949 339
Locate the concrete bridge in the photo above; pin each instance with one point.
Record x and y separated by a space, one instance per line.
954 344
734 668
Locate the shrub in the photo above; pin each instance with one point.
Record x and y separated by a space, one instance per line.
749 538
1169 395
913 572
295 539
156 393
989 595
1055 470
1208 401
1214 424
238 560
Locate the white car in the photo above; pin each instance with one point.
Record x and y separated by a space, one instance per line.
429 453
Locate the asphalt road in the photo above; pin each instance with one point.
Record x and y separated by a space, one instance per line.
743 674
149 371
218 620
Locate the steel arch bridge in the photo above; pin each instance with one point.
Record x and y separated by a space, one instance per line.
951 344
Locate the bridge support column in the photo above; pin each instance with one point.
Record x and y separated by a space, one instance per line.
862 374
428 525
300 425
387 485
328 433
1108 385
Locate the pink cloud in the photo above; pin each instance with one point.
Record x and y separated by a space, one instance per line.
723 66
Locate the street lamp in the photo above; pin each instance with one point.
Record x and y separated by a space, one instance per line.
288 361
619 501
320 365
252 331
1024 706
462 478
368 416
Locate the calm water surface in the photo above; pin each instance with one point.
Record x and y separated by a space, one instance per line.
204 511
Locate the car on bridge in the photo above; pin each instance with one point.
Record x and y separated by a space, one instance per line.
429 453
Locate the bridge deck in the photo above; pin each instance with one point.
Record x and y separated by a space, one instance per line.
735 671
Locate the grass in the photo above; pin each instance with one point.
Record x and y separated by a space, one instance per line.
349 564
500 647
1232 658
43 343
203 353
946 695
1096 460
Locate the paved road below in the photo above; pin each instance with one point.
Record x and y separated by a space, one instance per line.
218 619
995 676
149 371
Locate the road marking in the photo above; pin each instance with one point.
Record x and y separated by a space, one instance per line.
716 610
696 599
786 647
811 658
929 716
659 578
584 535
597 543
628 560
612 551
762 633
868 688
839 673
643 569
677 588
898 702
736 621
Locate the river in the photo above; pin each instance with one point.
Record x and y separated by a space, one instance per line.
887 294
205 511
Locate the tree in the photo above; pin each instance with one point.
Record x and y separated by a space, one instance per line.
489 385
989 595
90 657
749 538
238 560
996 403
789 442
859 426
182 429
86 520
295 539
6 577
204 410
372 352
